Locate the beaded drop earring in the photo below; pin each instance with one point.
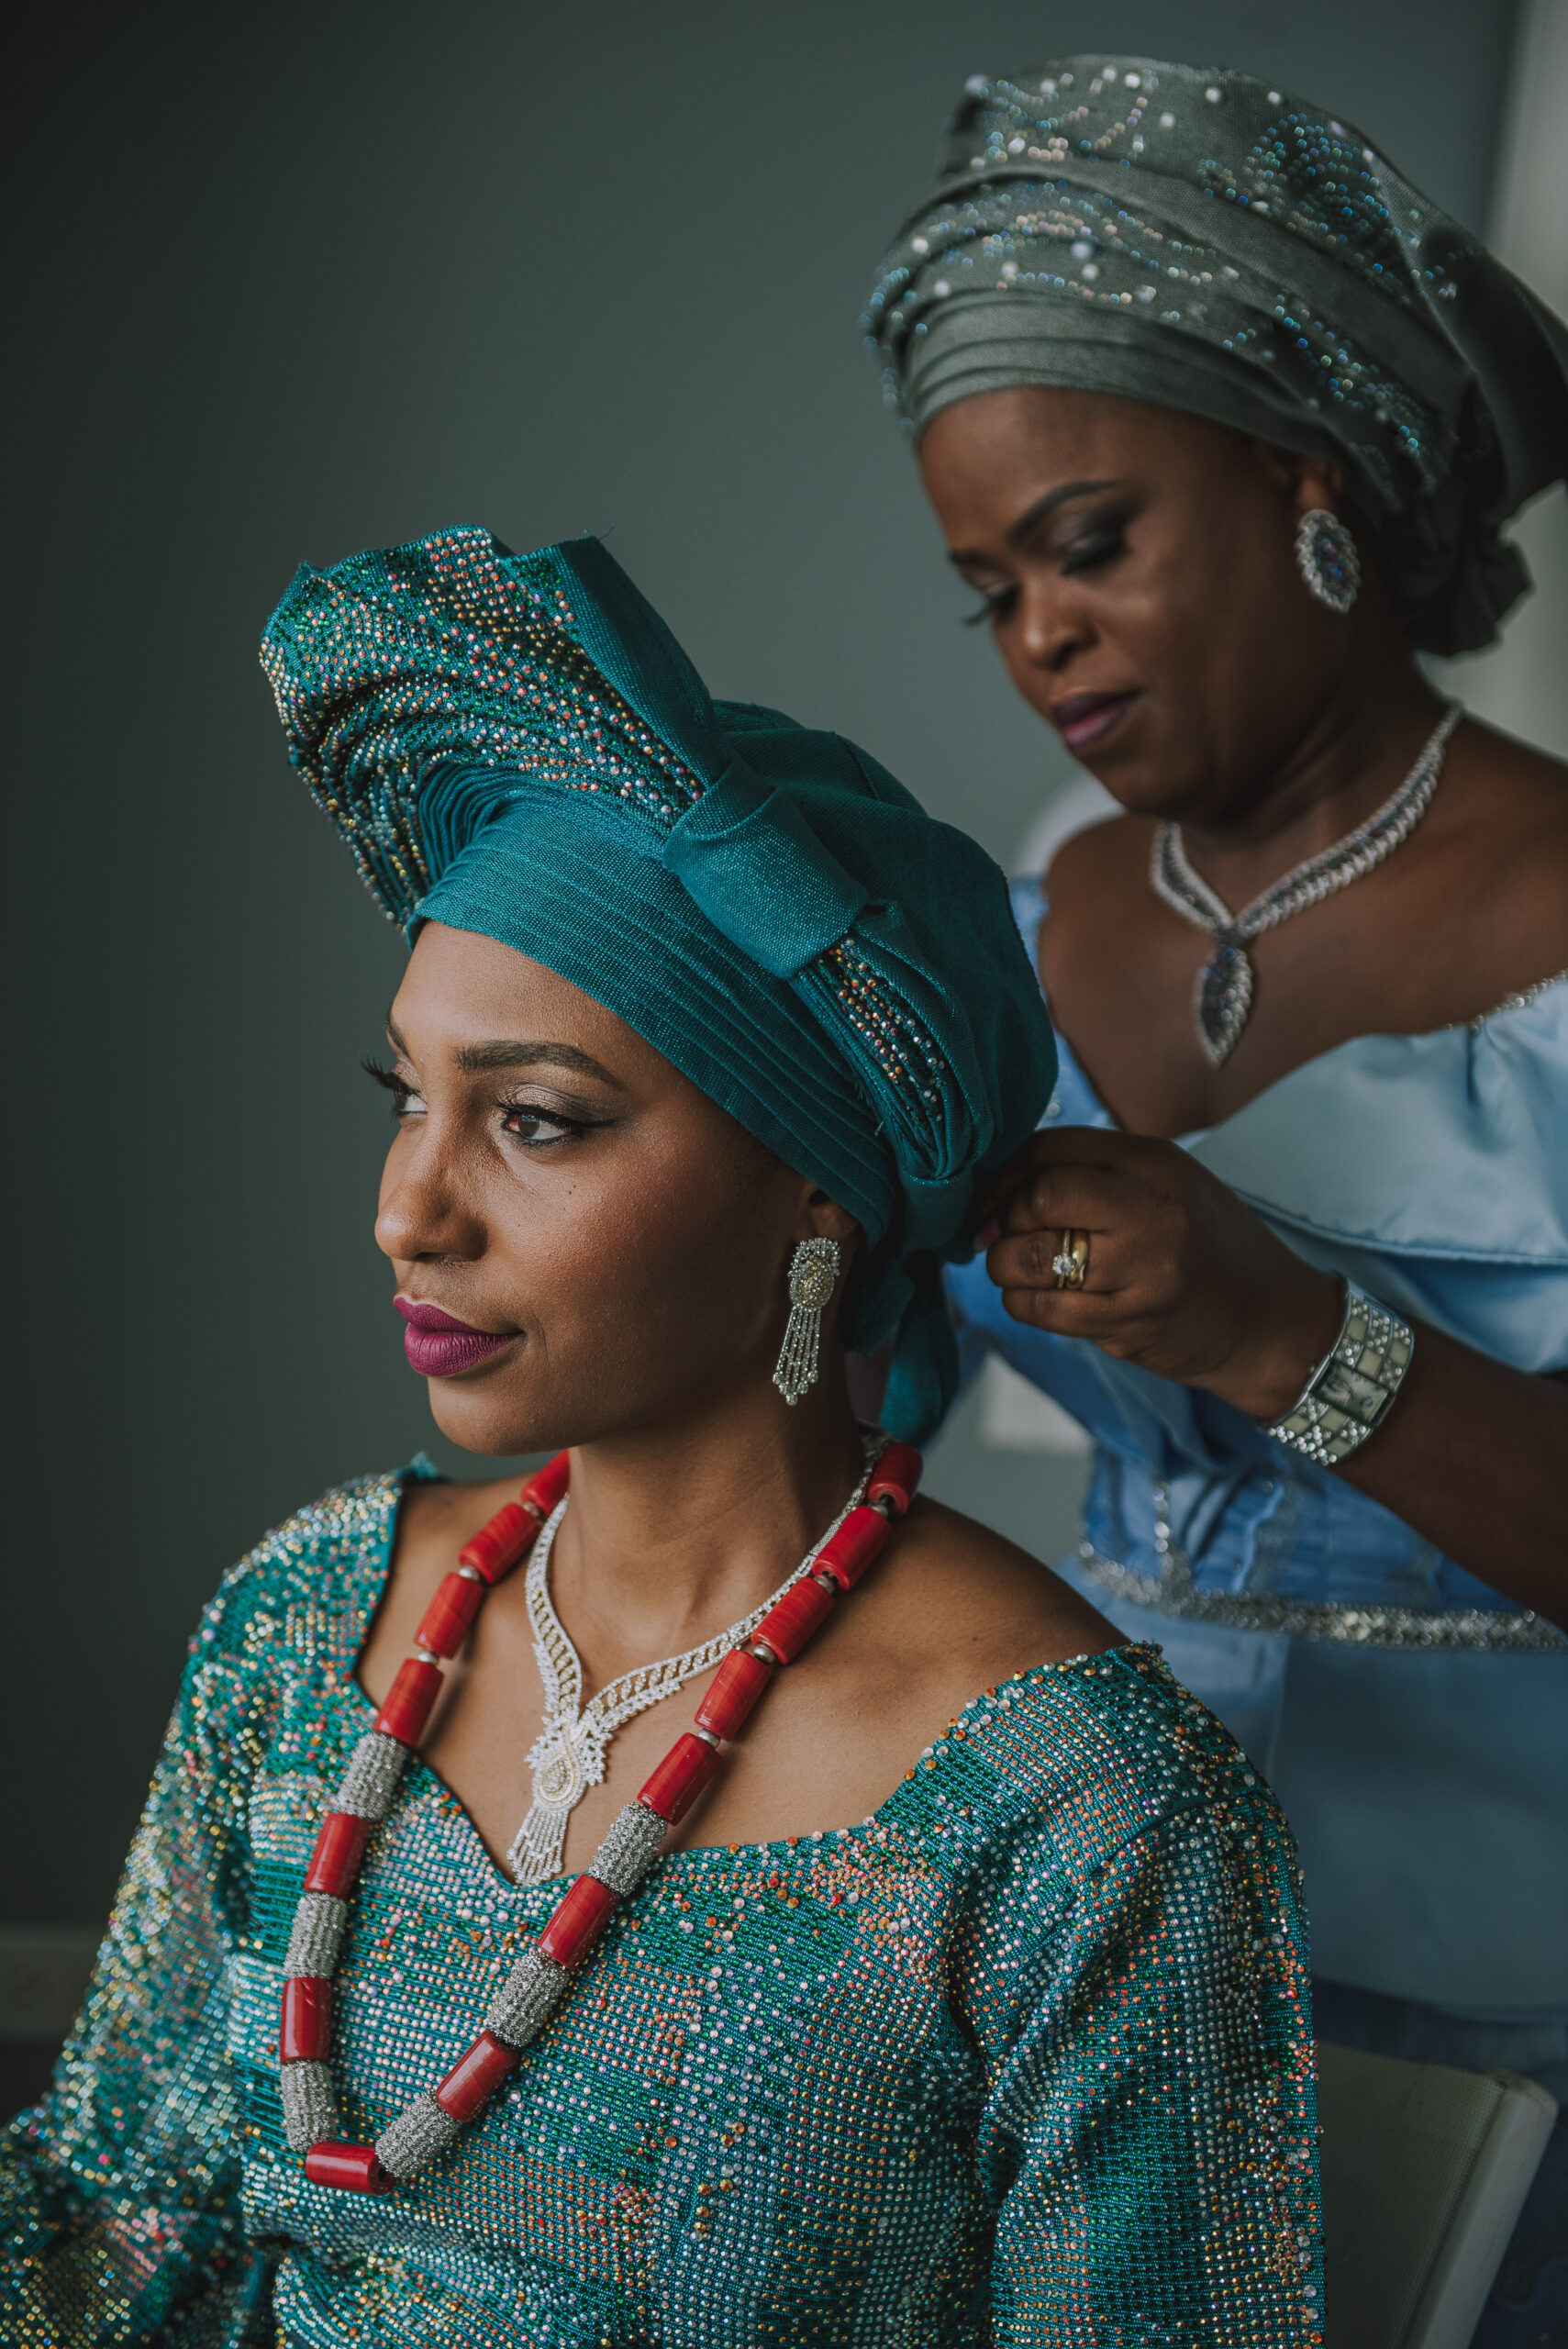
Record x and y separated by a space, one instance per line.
813 1274
1327 559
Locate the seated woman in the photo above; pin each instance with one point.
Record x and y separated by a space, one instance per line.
956 1995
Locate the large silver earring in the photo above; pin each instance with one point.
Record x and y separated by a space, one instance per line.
1327 559
813 1274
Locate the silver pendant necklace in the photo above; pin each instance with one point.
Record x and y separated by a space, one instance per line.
1226 983
568 1756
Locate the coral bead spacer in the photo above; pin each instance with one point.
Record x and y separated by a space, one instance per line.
305 2034
475 2077
409 1700
803 1608
680 1778
341 1842
896 1479
449 1617
581 1916
859 1541
733 1690
352 2167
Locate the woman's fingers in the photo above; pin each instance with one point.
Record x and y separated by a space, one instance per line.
1181 1278
1065 1146
1088 1198
1027 1260
1075 1313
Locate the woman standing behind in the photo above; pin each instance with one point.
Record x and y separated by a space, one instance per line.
1221 419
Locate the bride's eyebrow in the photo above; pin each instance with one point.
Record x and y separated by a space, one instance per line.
510 1052
506 1052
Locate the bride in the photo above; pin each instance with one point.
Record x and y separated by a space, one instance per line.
900 1956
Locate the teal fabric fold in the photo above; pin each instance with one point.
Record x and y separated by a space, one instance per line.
749 859
517 746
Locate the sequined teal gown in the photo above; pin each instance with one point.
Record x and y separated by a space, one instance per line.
1023 2058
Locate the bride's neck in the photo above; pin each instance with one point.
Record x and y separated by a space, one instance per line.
672 1534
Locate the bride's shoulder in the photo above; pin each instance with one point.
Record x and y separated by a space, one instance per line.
965 1608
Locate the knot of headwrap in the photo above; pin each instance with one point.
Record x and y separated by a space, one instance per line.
516 745
1191 239
759 872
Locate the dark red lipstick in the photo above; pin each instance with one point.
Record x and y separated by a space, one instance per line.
1082 719
439 1346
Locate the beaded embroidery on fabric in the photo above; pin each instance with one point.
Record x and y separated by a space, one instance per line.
895 2077
1189 237
450 648
454 651
1095 237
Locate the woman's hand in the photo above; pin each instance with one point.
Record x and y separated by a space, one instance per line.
1185 1281
1182 1279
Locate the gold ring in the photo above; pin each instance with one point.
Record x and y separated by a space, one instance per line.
1071 1263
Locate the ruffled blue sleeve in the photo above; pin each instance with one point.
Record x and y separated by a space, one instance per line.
1430 1169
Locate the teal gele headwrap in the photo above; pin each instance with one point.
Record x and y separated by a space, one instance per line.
1190 238
516 745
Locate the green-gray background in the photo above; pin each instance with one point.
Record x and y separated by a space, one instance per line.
293 281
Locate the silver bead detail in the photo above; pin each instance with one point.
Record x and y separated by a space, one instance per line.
630 1850
527 1999
421 2130
310 2107
316 1935
371 1780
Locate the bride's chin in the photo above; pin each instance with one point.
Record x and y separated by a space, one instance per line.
479 1415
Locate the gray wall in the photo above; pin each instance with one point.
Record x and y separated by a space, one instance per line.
295 281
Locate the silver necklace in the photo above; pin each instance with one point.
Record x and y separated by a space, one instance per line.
1225 985
568 1756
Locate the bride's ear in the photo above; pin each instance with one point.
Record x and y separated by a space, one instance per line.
823 1219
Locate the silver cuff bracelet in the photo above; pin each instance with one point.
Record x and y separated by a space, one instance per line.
1352 1387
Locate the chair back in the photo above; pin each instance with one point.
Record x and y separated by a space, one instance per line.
1425 2171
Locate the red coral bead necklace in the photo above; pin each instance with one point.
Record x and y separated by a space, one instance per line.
538 1981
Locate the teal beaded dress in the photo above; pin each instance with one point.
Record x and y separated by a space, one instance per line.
1023 2058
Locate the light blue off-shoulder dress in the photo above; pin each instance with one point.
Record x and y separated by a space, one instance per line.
1413 1721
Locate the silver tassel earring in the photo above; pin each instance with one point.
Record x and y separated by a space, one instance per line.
1327 559
813 1274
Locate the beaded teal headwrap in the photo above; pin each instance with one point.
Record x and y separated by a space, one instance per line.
1196 240
516 745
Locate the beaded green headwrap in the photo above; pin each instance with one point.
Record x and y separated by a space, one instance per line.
516 745
1194 239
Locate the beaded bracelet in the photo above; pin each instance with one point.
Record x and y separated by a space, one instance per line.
1352 1387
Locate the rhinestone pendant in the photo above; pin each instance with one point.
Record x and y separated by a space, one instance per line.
1224 998
560 1783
